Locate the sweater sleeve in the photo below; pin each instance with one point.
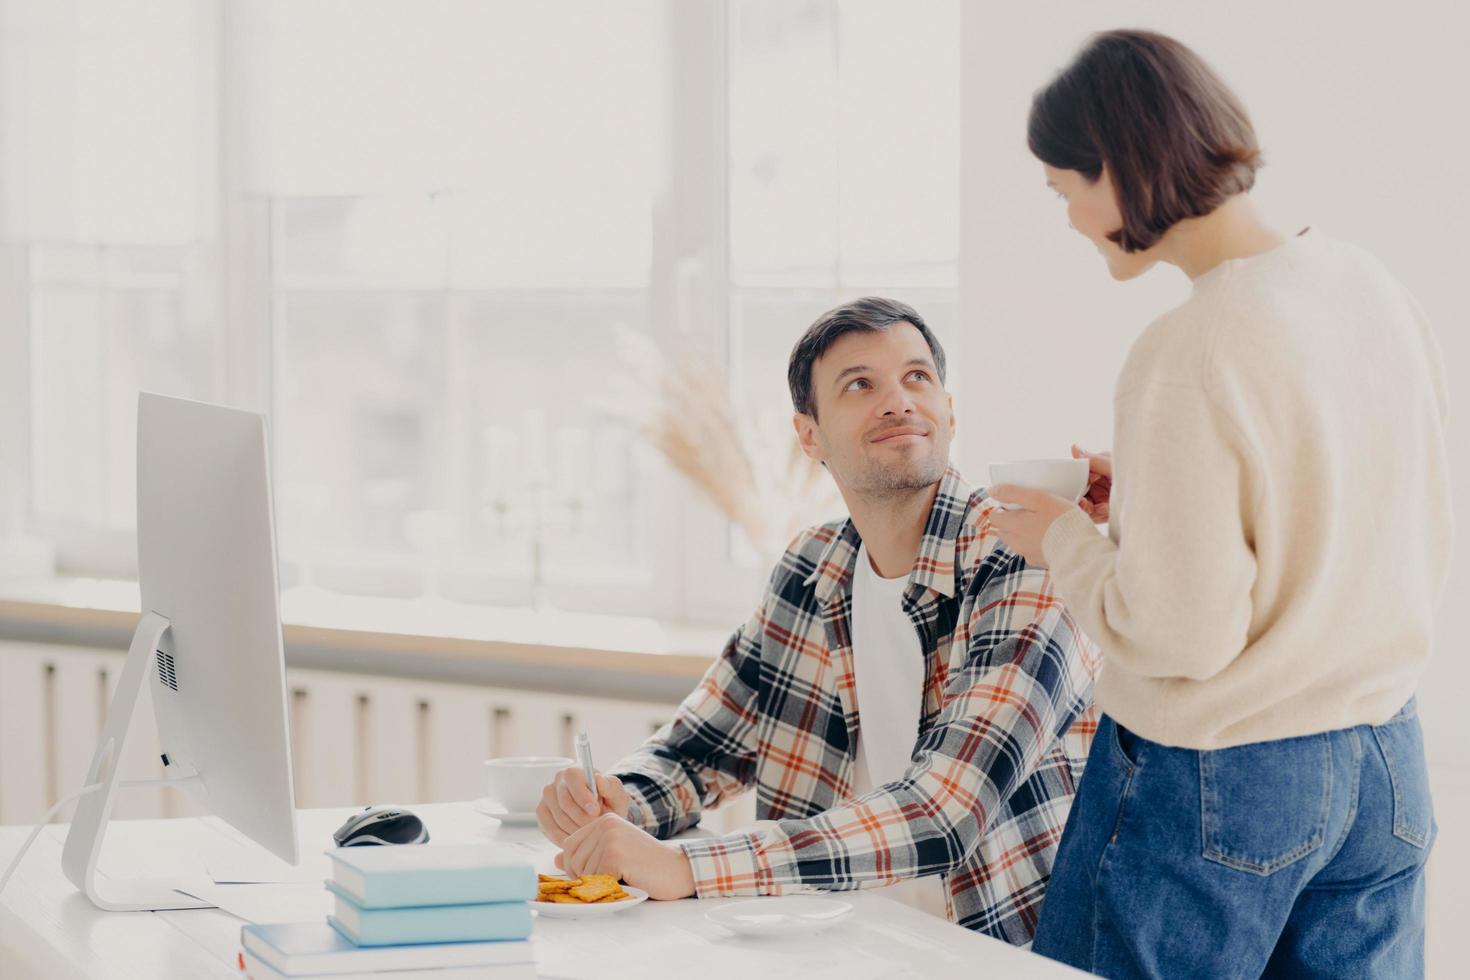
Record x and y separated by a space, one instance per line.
1171 597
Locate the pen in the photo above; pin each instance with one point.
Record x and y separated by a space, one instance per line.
584 756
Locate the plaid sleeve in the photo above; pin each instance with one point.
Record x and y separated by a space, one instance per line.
1026 677
707 753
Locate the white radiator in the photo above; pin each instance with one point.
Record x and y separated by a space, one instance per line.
356 739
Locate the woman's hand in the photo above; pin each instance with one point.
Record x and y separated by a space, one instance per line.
1024 528
1099 484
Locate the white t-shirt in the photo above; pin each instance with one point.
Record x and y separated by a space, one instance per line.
888 664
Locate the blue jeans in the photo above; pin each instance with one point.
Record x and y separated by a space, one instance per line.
1302 857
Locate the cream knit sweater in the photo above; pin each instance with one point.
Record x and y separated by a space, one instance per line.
1280 523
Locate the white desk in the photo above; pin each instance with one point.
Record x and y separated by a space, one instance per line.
48 929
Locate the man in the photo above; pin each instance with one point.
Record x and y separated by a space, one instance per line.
910 701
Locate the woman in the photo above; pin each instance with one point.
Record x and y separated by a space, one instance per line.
1256 801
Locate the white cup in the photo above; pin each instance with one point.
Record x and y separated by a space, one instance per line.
1064 477
516 782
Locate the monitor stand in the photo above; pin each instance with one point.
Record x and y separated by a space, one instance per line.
89 824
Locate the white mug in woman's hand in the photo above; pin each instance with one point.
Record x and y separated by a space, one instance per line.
1066 478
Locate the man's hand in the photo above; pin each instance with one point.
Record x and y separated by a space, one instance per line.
610 845
1023 530
567 805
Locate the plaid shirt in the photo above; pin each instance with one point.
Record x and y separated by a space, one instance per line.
1004 733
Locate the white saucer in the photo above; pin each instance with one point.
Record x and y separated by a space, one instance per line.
566 910
492 809
784 915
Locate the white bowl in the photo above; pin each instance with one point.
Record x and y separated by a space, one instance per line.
783 915
516 782
1066 478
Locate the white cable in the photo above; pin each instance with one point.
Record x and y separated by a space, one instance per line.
92 788
41 826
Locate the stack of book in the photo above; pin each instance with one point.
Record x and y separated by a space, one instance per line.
405 913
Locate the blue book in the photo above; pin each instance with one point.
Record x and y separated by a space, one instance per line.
298 948
432 874
485 922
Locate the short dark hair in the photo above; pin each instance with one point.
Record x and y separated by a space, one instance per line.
867 315
1175 140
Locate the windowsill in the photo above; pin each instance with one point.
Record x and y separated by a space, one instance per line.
426 638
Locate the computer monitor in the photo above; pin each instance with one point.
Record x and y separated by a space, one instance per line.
208 644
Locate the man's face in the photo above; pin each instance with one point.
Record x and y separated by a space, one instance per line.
886 422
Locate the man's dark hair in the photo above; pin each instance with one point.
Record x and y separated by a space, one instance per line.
867 315
1174 138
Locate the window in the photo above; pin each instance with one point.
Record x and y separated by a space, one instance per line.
844 181
106 138
418 235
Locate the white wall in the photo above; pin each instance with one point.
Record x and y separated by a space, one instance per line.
1362 114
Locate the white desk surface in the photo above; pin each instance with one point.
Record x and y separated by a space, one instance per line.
50 930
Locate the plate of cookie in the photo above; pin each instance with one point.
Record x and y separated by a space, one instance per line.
560 897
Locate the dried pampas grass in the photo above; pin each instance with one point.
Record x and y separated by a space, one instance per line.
747 465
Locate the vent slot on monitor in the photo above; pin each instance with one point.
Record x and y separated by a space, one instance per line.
166 675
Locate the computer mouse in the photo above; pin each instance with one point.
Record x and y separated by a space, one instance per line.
382 825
